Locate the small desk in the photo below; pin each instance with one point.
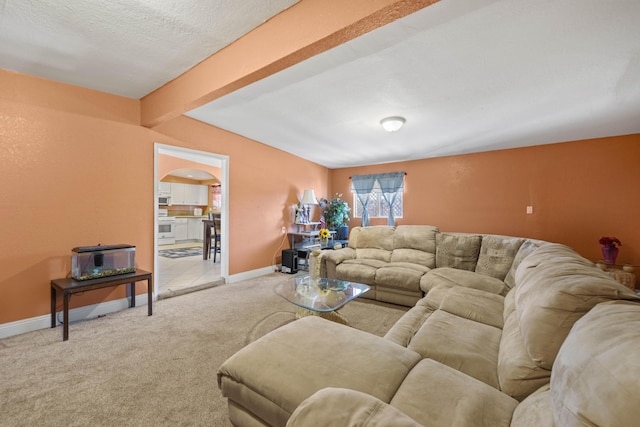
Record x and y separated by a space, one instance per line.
69 287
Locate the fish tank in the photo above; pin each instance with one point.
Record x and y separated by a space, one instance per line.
93 262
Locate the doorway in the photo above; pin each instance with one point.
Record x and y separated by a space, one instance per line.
193 265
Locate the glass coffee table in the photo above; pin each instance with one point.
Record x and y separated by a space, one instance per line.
317 296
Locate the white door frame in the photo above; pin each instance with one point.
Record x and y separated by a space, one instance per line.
212 159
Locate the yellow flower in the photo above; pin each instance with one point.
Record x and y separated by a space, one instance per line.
324 233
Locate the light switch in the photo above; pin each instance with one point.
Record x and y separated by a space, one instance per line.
529 210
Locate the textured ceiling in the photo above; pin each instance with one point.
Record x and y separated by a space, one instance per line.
468 75
124 47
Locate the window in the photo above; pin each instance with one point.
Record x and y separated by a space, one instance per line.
377 206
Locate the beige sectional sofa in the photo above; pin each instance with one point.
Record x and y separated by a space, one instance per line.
555 343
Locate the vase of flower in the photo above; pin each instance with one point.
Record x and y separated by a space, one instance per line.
610 253
610 249
324 235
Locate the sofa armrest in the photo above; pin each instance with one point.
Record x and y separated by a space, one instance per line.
331 259
343 407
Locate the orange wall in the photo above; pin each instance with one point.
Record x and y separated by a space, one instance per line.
580 191
77 170
264 185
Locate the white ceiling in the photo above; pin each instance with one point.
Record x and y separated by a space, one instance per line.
468 75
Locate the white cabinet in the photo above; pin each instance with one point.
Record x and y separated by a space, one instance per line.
181 227
164 189
177 193
189 194
195 229
203 195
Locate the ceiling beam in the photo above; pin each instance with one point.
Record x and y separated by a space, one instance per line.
306 29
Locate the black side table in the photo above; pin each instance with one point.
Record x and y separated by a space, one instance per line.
69 287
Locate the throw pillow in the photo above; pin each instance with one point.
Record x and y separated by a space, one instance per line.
457 250
496 255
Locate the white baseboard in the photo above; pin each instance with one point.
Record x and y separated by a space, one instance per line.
252 274
80 313
95 310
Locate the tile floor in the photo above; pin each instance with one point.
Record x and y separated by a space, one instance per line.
188 274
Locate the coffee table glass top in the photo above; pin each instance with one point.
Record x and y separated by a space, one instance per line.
319 294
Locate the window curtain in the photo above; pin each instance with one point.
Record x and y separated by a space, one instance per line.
390 184
363 185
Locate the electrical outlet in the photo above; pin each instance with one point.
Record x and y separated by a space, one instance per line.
529 210
284 230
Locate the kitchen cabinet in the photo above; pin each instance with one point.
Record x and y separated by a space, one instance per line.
164 189
181 229
189 194
195 229
177 193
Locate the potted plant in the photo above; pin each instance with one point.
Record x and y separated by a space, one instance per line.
336 214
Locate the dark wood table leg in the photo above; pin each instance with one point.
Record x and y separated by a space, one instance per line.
65 326
53 307
132 291
206 243
149 296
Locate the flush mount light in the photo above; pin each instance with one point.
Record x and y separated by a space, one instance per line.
392 124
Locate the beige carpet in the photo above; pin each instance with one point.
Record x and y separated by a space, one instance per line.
128 369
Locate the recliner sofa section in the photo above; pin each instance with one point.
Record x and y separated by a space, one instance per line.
403 263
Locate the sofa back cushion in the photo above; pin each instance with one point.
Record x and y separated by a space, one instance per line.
457 250
374 242
496 255
415 244
595 376
554 288
525 249
518 375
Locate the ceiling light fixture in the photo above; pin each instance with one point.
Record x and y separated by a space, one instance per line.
392 124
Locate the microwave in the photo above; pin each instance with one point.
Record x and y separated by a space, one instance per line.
164 200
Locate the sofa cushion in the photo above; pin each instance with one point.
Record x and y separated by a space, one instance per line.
496 255
343 407
525 249
400 275
465 345
473 304
414 256
415 244
535 411
436 395
554 288
359 270
373 253
457 250
375 237
519 376
595 377
453 277
409 324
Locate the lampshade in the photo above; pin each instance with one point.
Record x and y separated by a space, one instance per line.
392 124
309 198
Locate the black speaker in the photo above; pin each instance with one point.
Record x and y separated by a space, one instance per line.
290 261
